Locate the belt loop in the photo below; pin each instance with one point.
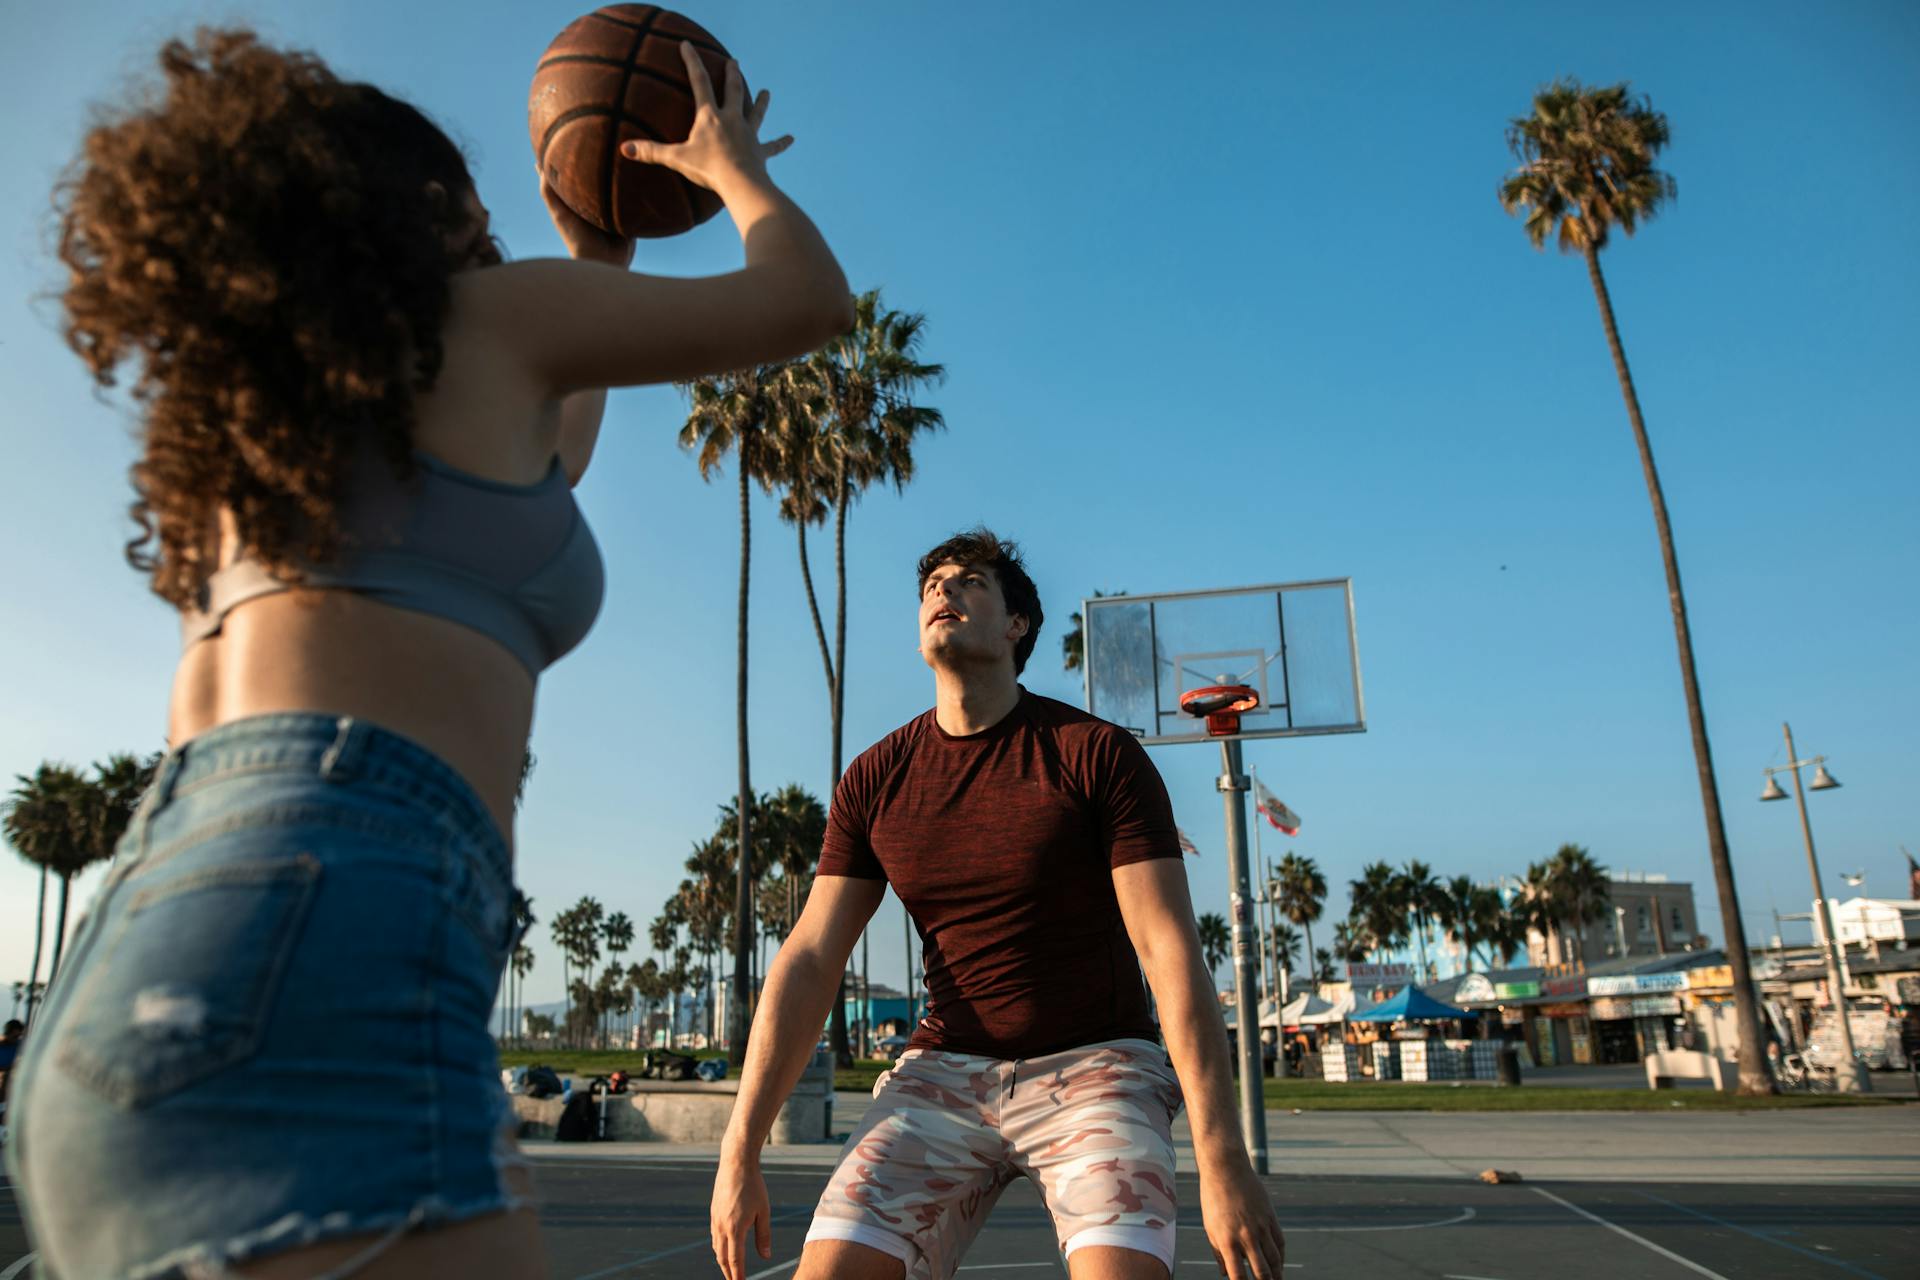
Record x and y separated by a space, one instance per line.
159 792
343 757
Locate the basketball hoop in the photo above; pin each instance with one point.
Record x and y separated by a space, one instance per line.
1221 704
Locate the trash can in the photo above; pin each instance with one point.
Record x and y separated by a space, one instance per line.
1509 1065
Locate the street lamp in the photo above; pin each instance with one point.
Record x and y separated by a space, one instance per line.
1849 1075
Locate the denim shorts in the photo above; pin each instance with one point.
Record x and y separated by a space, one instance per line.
271 1028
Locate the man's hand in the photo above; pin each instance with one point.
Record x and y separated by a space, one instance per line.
739 1202
1241 1229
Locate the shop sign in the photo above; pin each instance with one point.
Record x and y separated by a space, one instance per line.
1517 990
1637 984
1655 1006
1712 975
1572 988
1379 975
1562 1011
1611 1008
1475 988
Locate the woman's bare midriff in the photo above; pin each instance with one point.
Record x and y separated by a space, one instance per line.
448 688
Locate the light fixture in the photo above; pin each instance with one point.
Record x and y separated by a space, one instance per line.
1773 791
1822 780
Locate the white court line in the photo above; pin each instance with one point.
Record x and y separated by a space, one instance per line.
642 1261
1462 1216
18 1267
774 1271
1450 1276
1669 1254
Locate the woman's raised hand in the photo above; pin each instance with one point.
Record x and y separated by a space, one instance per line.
724 147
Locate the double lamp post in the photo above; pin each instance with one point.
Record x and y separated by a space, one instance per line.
1850 1076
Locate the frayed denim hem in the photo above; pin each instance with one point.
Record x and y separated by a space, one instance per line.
300 1230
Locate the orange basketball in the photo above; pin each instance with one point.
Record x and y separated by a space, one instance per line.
612 75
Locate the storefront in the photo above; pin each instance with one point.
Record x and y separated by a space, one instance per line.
1636 1014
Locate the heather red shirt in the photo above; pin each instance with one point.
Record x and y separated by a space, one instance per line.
1002 845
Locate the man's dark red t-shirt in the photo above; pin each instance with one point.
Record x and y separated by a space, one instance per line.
1002 845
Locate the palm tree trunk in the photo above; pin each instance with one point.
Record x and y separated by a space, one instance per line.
60 931
1313 965
836 685
743 877
813 608
39 932
1754 1076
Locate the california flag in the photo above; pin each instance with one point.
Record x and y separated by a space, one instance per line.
1274 811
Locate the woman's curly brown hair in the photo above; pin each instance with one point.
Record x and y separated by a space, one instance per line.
262 238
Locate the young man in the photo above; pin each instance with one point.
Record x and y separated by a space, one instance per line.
1035 848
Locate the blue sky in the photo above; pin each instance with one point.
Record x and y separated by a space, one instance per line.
1224 299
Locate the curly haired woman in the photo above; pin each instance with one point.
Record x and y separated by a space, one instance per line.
269 1054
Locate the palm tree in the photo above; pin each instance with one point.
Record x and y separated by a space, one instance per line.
850 421
1379 907
617 933
1351 941
522 965
1215 940
1303 890
1286 946
1580 888
730 413
1322 966
1586 166
38 821
1421 896
1540 907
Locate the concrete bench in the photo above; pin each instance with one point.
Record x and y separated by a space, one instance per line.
689 1111
1687 1064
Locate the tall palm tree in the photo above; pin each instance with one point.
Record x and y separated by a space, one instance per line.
616 931
1215 940
1286 946
1322 967
38 821
522 965
863 387
1379 907
1580 887
1420 897
1586 160
731 414
1540 907
1351 941
1303 892
1456 918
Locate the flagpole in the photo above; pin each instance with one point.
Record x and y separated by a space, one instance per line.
1266 916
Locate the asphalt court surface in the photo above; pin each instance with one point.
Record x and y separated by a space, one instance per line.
611 1220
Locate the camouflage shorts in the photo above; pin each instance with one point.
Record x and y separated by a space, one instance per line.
948 1132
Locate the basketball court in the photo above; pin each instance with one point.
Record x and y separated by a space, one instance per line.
631 1215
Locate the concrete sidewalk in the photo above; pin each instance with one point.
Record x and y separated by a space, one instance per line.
1870 1146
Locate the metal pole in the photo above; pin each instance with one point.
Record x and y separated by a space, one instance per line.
1253 1108
1849 1075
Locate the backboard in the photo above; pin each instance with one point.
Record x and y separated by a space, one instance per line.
1294 642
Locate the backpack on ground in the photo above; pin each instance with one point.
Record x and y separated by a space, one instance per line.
543 1082
579 1119
666 1064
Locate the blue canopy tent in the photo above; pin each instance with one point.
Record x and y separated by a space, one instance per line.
1409 1006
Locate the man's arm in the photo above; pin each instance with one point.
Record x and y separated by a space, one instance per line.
802 984
1234 1207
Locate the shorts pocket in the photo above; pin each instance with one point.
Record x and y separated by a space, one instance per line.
186 982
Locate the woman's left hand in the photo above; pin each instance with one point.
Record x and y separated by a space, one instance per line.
584 240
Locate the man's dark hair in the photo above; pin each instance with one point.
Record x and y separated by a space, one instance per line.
15 1027
981 548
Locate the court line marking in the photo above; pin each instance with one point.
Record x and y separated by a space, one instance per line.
774 1271
1662 1250
1462 1216
680 1248
18 1267
1757 1235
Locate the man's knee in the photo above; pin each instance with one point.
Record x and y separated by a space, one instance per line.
845 1260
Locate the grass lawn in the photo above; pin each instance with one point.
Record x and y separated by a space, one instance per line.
1320 1095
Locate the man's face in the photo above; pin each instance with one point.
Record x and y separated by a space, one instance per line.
964 619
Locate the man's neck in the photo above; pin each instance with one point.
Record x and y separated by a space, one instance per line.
970 702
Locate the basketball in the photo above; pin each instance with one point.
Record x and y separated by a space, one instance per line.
614 74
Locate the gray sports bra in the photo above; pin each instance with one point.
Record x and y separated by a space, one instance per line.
516 563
